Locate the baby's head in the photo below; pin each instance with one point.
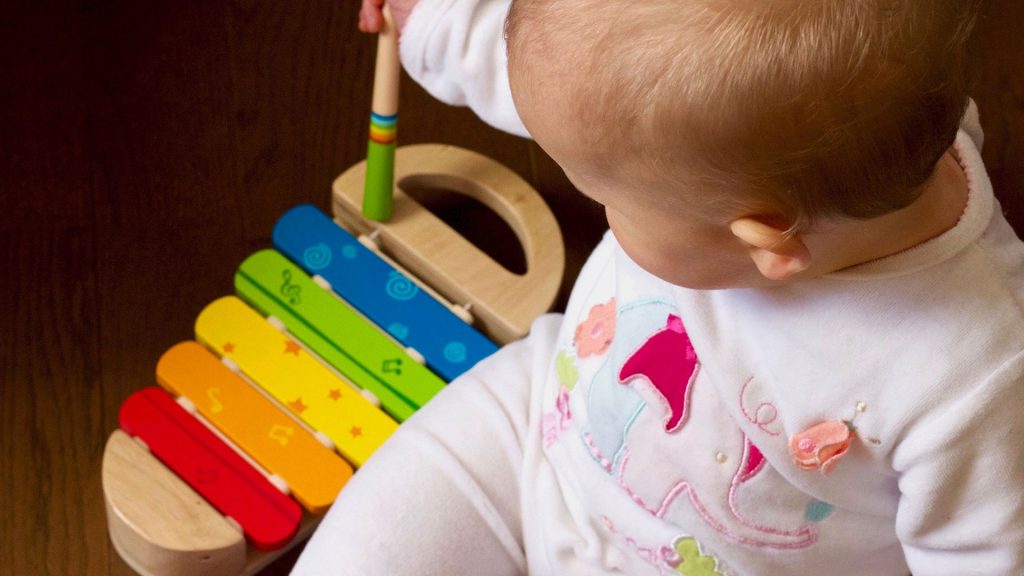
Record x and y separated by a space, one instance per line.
697 122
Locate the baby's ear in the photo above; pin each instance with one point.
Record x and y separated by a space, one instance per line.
776 254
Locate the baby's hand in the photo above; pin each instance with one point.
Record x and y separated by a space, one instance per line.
371 16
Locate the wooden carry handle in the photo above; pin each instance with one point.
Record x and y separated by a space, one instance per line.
504 303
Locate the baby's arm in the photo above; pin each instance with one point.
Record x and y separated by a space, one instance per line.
962 483
456 50
442 495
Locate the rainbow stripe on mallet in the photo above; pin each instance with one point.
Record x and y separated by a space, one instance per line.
380 167
383 128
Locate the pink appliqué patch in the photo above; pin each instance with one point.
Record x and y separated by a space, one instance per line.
595 334
821 446
668 361
554 423
754 462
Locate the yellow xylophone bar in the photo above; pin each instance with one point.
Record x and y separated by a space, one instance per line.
298 381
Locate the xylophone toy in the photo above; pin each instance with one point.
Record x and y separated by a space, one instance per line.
334 336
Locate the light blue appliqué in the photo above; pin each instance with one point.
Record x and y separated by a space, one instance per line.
610 404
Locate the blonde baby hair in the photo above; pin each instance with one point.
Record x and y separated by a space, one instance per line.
802 109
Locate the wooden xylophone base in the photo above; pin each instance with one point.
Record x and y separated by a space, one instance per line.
134 482
308 306
254 560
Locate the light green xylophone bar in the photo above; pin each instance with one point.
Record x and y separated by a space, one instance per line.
338 334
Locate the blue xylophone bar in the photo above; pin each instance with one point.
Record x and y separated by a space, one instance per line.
383 294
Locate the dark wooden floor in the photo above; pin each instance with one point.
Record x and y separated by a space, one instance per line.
146 148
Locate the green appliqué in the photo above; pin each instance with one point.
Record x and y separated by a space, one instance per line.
568 375
817 511
693 562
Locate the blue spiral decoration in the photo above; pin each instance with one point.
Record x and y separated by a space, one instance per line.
455 352
401 288
317 257
399 330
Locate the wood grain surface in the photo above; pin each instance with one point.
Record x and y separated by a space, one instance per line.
146 148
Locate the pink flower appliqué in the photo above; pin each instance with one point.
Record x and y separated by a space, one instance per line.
554 423
594 335
821 446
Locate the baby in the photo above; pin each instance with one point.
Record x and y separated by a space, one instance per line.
799 348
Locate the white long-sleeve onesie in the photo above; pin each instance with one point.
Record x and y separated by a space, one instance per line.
651 429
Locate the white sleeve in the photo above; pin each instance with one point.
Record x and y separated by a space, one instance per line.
961 483
456 50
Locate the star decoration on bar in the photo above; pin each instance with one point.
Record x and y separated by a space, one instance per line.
297 405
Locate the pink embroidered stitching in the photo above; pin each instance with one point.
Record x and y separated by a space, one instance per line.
646 553
756 419
671 556
753 459
554 423
745 473
807 534
596 452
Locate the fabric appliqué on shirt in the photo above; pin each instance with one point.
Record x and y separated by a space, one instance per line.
692 561
685 556
565 366
822 446
595 334
644 408
734 525
817 511
558 421
668 362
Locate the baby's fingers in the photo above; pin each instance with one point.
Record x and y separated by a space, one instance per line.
371 18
